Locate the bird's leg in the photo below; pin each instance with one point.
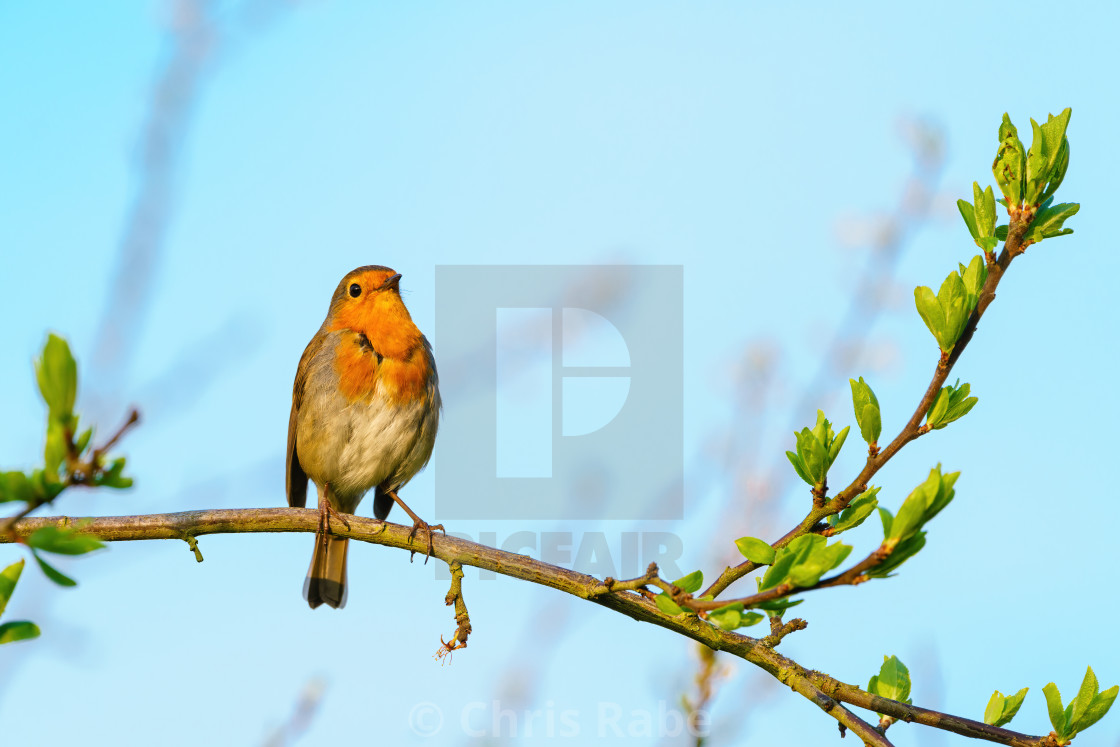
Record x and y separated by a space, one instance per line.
417 523
325 511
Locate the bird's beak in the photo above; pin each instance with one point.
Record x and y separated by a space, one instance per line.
392 282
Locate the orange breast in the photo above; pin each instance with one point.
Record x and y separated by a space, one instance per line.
407 380
359 373
357 369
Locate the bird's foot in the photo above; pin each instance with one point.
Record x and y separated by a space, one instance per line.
326 510
419 524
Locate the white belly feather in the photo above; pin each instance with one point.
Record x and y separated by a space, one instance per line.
387 445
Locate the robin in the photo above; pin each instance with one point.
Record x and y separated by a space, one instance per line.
365 408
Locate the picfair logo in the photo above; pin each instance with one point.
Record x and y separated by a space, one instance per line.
562 388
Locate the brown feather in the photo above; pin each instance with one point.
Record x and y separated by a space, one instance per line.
295 484
326 578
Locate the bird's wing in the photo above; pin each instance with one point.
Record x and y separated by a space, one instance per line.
296 478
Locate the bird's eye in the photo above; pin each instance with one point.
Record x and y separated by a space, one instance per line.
355 290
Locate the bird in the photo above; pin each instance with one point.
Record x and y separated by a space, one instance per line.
365 411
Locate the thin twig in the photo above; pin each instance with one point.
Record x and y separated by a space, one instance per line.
462 618
132 419
706 679
832 707
78 472
912 429
779 630
635 584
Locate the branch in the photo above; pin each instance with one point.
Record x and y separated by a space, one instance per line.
915 714
462 617
1012 248
823 690
851 577
846 718
78 472
188 525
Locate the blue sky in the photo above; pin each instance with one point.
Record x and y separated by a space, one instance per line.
731 139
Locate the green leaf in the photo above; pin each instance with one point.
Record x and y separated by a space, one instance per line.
985 210
798 467
930 311
57 374
820 559
1009 163
753 618
1037 166
1006 129
1054 707
8 578
18 630
64 541
1058 175
887 518
945 492
901 553
83 441
925 502
973 278
953 300
1085 694
690 583
813 455
728 619
14 486
866 406
1011 707
112 477
1098 708
969 214
994 710
666 604
799 549
947 313
1002 709
732 616
803 575
837 444
52 573
755 550
44 488
856 512
893 681
909 518
778 570
1049 220
1053 135
952 403
980 218
833 555
1044 159
816 450
54 452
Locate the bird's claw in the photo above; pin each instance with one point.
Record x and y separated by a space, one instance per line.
428 529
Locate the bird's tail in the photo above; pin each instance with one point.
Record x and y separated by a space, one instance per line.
326 578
